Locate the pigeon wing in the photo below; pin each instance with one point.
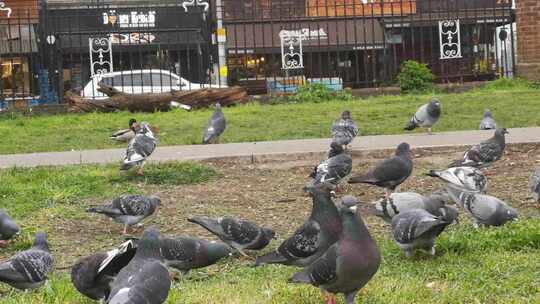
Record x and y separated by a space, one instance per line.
151 282
304 243
322 272
30 265
411 226
391 169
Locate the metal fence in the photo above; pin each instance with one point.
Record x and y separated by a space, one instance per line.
267 46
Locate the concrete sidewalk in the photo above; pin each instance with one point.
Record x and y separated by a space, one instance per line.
265 149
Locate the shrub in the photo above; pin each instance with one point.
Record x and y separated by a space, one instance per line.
316 92
415 77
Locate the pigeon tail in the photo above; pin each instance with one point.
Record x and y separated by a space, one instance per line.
270 258
432 173
102 210
207 223
300 278
362 179
411 126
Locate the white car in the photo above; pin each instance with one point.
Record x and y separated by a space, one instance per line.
140 81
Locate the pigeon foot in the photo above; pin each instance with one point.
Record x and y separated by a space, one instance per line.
245 254
330 298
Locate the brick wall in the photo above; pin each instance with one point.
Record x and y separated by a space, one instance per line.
528 28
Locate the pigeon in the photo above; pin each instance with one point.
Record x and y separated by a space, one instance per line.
418 229
140 148
462 178
93 275
426 116
485 153
129 209
534 183
488 123
239 234
485 210
389 173
349 264
388 208
145 280
320 231
126 135
186 253
333 169
8 228
216 126
28 269
344 130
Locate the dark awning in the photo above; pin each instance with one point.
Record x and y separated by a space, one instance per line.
347 34
17 39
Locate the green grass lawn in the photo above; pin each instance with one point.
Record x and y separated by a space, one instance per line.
498 265
512 106
495 265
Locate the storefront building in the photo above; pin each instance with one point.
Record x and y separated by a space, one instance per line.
18 49
83 40
362 43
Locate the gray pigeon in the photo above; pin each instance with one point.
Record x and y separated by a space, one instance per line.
488 123
140 148
186 253
145 280
485 153
216 126
484 209
534 183
28 269
389 173
388 208
129 209
335 168
93 275
418 229
126 135
8 228
344 130
426 116
314 237
462 178
349 264
239 234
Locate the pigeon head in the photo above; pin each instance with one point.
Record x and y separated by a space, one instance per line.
349 201
8 227
511 214
155 200
434 108
149 245
270 234
404 149
487 113
40 241
319 189
215 251
449 213
346 115
335 149
501 132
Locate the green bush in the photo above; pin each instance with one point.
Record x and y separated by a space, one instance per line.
318 92
415 77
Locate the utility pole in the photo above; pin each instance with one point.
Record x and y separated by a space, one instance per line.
221 66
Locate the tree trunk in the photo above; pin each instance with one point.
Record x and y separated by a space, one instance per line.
151 102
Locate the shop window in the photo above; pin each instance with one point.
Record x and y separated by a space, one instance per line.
15 76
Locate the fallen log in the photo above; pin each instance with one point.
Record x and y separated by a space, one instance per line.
151 102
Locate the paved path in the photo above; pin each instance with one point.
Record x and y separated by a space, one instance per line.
266 149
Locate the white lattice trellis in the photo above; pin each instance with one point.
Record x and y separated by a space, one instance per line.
449 35
291 50
101 58
187 3
3 7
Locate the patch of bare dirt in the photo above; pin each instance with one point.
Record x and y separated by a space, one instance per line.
270 193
